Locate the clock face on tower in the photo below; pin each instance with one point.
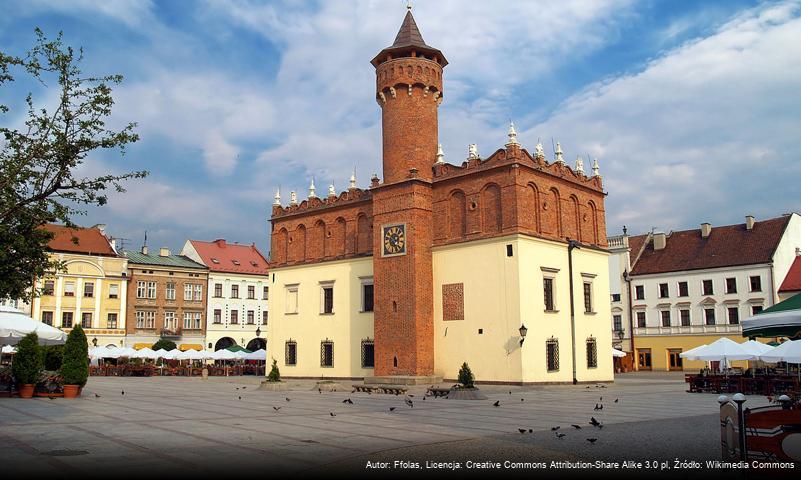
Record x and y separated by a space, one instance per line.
394 239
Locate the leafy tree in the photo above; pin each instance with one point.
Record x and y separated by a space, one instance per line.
39 180
466 376
165 344
75 361
274 375
28 361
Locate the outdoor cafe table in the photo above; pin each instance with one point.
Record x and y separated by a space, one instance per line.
759 385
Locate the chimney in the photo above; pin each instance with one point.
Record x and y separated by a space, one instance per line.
220 242
164 252
659 240
706 229
749 222
144 249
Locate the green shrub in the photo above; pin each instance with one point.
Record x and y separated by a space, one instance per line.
165 344
274 375
28 361
75 361
466 376
53 355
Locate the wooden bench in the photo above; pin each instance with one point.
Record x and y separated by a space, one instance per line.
438 392
387 389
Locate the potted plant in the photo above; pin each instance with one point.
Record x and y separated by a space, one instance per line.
28 363
274 375
466 378
466 388
75 362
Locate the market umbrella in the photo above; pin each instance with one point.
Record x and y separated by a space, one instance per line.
171 354
146 353
237 348
780 320
757 348
224 355
690 354
615 353
789 351
260 354
9 349
191 355
723 350
14 325
161 352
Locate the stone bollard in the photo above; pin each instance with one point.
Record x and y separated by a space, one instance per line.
205 373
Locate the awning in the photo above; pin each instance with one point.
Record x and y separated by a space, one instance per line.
14 325
780 320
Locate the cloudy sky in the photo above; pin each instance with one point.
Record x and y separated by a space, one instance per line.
692 108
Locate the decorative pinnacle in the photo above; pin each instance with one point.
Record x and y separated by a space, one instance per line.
579 165
352 180
408 4
440 155
472 152
595 168
312 190
331 190
538 151
558 152
293 198
277 197
512 134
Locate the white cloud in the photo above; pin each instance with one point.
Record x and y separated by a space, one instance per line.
219 156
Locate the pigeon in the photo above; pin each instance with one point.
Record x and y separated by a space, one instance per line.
410 395
560 435
588 387
601 406
603 386
97 395
616 400
553 429
353 391
244 388
237 388
240 397
594 422
521 430
522 399
348 401
510 392
424 398
276 408
391 409
592 440
319 390
287 399
51 398
530 430
332 414
409 402
122 392
601 399
497 403
577 427
596 407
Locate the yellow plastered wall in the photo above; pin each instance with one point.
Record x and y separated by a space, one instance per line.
661 345
346 327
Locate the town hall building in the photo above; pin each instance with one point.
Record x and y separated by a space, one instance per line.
500 262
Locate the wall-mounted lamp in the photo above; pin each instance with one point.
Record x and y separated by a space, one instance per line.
258 332
94 341
523 331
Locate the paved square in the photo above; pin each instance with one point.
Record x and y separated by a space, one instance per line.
192 426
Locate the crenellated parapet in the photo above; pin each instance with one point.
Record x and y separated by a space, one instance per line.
315 204
410 76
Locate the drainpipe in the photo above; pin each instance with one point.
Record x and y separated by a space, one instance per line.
627 278
571 244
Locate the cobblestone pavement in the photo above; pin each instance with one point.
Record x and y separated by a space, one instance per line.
189 426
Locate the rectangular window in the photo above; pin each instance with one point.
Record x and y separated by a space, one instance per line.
592 353
69 289
169 321
264 315
169 292
509 251
188 292
66 320
328 300
756 283
291 353
639 292
198 316
234 291
685 317
292 299
265 294
198 292
756 309
150 319
251 292
552 355
188 320
707 287
327 354
111 321
665 314
217 316
588 297
547 288
88 289
709 316
734 315
251 317
86 320
368 354
234 317
141 289
47 318
49 287
615 297
218 290
663 290
140 319
731 285
617 322
641 319
113 291
367 297
684 289
151 290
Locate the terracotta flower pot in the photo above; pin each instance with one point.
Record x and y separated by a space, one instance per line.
71 391
26 391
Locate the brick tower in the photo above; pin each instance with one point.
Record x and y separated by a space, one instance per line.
409 91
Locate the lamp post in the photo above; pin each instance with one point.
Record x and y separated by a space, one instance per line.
523 331
739 399
258 332
572 244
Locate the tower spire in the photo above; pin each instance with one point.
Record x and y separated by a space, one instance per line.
312 190
512 134
352 185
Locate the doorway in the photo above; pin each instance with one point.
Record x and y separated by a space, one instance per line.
675 360
644 359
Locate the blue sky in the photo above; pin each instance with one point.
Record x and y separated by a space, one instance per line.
692 108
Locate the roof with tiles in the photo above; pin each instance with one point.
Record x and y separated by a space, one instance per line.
792 282
156 259
220 256
726 246
90 241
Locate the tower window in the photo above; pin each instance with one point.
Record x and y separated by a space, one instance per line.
327 353
291 353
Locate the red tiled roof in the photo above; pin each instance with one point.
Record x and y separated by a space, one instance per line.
90 241
220 256
726 246
792 282
635 244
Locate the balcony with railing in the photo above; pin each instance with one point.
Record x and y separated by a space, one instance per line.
618 241
721 329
